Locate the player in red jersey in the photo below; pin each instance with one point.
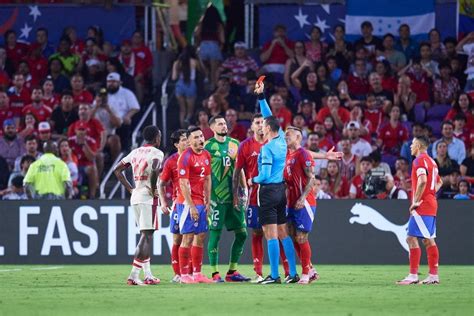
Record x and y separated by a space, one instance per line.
422 224
193 205
169 176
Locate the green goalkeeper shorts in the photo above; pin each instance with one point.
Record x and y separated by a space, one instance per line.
226 214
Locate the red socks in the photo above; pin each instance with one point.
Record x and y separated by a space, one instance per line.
184 256
415 255
433 258
297 249
284 260
257 253
175 259
196 255
305 257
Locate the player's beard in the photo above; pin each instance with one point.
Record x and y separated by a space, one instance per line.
222 134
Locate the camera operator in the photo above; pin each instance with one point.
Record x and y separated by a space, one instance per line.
391 190
103 112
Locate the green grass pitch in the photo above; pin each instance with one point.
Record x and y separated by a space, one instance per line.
343 290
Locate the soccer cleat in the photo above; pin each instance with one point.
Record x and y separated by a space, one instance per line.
217 278
176 279
304 279
270 280
151 280
313 275
287 277
201 278
293 279
135 282
236 277
258 278
431 279
187 279
410 279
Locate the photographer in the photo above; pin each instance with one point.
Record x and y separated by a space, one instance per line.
392 192
109 120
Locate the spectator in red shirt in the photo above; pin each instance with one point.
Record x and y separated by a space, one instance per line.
356 190
402 177
463 105
358 81
6 69
37 64
24 69
236 130
50 99
325 141
373 113
391 136
85 148
338 185
331 130
18 94
93 127
80 94
16 51
389 83
142 52
275 53
77 45
315 48
92 51
420 79
460 130
40 111
447 86
340 115
134 66
203 123
28 125
5 111
280 111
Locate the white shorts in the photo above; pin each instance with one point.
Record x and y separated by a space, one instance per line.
146 216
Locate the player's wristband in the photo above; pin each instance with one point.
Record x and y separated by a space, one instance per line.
261 96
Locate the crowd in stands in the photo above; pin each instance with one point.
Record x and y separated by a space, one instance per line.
83 94
368 98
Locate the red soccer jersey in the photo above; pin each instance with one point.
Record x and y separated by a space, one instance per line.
326 143
143 53
82 160
295 176
52 102
393 138
284 117
83 97
424 164
38 69
278 55
17 53
94 129
170 173
247 160
357 184
375 117
343 190
343 113
195 168
43 113
18 99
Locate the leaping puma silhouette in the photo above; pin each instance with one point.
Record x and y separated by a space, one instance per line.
364 215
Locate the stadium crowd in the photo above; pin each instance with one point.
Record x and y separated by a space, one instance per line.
367 98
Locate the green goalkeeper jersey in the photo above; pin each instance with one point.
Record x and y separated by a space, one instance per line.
223 159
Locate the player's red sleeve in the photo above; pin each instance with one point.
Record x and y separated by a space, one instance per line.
240 163
183 165
305 159
207 172
166 173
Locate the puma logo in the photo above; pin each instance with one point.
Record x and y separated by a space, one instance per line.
364 215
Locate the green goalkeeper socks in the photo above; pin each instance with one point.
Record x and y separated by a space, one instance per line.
237 248
213 249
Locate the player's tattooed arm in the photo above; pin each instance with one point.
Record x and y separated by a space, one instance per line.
118 171
309 172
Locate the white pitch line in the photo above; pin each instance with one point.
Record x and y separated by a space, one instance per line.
47 268
10 270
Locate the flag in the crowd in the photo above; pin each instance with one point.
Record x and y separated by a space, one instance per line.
299 20
117 23
466 17
387 15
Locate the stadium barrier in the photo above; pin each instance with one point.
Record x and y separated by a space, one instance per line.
345 232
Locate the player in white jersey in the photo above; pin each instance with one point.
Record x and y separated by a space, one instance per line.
145 162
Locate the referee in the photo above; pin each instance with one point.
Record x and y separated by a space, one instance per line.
271 195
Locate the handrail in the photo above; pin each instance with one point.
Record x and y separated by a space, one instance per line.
150 108
108 175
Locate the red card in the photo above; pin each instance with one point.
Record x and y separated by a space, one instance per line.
260 79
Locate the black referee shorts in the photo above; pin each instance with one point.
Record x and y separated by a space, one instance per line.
272 204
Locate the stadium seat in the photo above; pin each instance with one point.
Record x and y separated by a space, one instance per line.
420 113
437 112
436 127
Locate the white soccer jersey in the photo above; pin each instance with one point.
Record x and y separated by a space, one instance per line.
144 160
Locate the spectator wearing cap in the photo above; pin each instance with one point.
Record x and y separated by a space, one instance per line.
44 133
370 42
85 148
417 130
280 110
79 93
359 147
109 119
16 190
185 71
70 61
64 115
276 52
5 111
236 130
456 147
134 66
446 87
18 94
460 130
391 136
405 43
299 62
24 165
124 104
93 75
356 190
349 161
60 81
31 146
239 64
396 58
48 178
37 107
16 51
333 109
11 145
313 144
50 98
